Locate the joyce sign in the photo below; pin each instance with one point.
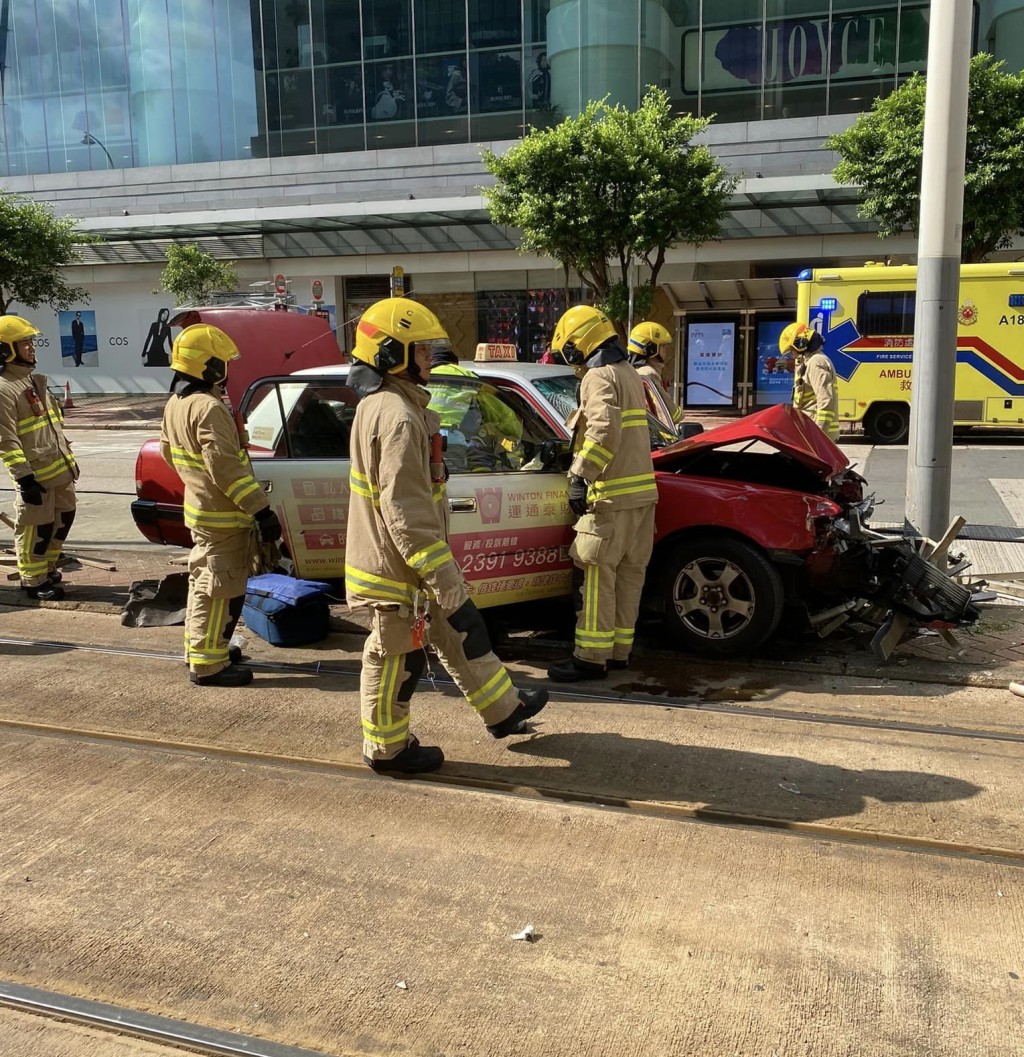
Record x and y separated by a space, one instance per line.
806 50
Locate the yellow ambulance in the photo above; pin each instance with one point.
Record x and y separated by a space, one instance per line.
866 316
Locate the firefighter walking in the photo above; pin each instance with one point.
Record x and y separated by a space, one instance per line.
646 342
398 561
815 392
38 457
612 492
226 510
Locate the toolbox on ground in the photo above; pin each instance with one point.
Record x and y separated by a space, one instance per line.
285 611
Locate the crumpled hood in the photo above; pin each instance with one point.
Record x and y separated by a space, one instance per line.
781 427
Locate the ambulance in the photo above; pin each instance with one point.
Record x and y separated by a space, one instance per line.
866 317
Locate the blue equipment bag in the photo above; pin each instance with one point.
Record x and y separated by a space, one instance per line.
285 611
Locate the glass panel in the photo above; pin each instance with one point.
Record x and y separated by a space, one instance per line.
440 25
556 55
494 22
610 51
886 314
386 28
339 95
731 54
320 422
336 31
23 117
862 60
441 100
287 29
913 40
497 80
797 49
389 104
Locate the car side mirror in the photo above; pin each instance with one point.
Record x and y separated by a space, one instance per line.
690 429
555 454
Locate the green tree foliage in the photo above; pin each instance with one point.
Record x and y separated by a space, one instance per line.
881 154
191 274
608 189
34 246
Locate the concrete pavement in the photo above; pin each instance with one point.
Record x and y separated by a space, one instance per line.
289 901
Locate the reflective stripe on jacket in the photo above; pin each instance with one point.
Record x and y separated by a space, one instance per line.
32 437
397 535
815 392
611 441
199 439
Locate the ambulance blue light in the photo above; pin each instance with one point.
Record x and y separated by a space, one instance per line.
1016 300
804 276
829 304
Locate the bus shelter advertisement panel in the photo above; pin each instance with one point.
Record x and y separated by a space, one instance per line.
710 364
774 370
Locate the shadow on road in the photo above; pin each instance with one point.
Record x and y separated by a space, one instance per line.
722 780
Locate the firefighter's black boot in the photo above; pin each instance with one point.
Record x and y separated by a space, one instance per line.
413 759
233 675
573 670
530 703
45 592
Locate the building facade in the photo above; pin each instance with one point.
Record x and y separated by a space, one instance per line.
338 139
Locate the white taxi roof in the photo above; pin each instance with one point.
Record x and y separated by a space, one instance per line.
485 368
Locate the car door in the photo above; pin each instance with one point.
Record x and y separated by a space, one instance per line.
507 493
299 429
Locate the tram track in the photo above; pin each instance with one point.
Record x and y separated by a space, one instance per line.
642 808
659 699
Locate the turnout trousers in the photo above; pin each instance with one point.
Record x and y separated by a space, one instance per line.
612 548
393 664
218 571
40 531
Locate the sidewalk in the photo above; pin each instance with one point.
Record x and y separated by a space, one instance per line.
115 411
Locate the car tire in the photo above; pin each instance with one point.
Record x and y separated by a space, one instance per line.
887 423
721 596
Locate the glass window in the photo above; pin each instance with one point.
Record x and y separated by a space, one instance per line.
886 314
497 80
389 91
336 31
440 25
339 95
286 30
726 63
494 22
301 420
610 37
796 57
386 29
862 63
441 86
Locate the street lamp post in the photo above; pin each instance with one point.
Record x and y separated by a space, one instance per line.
88 139
930 448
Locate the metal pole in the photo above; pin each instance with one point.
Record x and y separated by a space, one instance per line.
930 454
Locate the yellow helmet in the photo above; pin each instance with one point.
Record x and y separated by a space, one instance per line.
799 338
204 352
13 329
645 338
580 331
388 331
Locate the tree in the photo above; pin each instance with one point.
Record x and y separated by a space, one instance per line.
191 274
34 246
609 189
881 154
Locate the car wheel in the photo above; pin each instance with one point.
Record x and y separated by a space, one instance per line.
887 423
722 596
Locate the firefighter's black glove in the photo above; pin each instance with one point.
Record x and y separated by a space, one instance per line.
31 490
268 525
577 495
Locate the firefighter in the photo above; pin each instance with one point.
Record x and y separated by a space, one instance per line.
38 457
611 491
226 510
491 431
814 378
397 559
646 341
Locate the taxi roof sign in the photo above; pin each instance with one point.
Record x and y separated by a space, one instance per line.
490 351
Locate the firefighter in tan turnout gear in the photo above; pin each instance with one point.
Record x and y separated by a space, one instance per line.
815 392
646 341
612 492
38 457
226 510
397 558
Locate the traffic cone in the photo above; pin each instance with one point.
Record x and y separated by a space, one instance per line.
68 402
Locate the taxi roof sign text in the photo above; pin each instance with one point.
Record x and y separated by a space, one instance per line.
487 351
